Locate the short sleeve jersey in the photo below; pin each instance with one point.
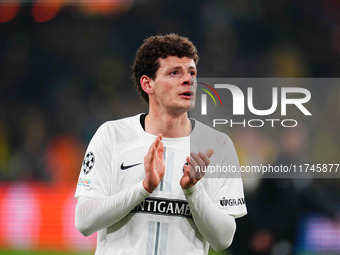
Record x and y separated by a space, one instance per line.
162 223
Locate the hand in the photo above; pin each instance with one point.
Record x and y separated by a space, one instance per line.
154 165
192 170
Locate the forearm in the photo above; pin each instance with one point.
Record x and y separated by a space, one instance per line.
214 224
93 214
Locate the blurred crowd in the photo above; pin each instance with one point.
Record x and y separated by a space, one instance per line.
61 79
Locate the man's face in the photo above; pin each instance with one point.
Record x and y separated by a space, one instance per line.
174 87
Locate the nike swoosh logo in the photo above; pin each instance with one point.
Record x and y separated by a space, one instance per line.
122 167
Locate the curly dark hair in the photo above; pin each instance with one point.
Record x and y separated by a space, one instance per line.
155 47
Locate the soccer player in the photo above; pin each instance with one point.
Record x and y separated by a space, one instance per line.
140 184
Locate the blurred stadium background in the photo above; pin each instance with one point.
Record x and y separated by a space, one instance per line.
65 69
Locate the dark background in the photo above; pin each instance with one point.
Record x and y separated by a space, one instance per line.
65 69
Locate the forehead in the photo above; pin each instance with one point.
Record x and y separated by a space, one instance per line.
174 61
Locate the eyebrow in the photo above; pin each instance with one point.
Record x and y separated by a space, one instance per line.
180 67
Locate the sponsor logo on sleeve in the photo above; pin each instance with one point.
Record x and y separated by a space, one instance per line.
232 201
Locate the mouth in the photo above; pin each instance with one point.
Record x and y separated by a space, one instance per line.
187 94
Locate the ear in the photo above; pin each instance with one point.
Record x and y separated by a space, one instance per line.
146 84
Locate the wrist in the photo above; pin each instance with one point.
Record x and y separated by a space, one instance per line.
192 189
147 188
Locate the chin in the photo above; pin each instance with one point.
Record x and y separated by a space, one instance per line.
188 107
192 104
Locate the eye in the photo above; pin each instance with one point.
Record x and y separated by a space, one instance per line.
193 73
174 73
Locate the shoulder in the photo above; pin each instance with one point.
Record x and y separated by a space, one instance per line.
117 130
131 121
128 124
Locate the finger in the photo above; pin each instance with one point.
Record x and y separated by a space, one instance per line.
150 156
157 140
200 175
194 170
186 164
185 181
186 169
191 162
204 157
198 163
197 160
153 147
159 164
189 171
160 150
209 152
197 173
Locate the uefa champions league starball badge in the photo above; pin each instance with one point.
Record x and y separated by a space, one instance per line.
88 162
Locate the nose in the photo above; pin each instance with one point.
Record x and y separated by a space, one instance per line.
188 80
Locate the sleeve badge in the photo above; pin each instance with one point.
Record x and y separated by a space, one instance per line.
88 162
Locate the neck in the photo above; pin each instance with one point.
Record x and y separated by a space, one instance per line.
169 125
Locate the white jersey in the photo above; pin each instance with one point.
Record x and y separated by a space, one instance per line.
162 223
